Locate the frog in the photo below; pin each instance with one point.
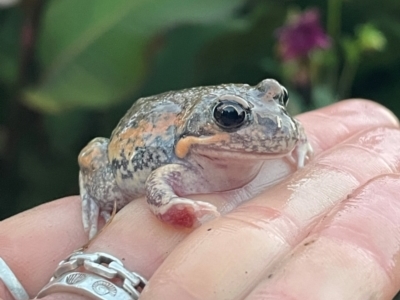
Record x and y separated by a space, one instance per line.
199 140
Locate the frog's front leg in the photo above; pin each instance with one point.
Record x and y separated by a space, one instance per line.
164 189
303 150
98 188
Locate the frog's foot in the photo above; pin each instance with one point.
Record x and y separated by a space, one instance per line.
186 213
303 150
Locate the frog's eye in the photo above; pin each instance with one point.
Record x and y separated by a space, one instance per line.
229 114
284 98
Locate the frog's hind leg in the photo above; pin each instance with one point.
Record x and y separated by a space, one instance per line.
97 184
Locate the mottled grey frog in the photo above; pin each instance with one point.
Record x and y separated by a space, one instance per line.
193 141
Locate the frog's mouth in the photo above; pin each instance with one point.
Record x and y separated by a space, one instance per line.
215 147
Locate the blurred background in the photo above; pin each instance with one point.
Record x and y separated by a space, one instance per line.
69 69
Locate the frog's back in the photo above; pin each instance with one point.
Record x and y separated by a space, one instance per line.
142 141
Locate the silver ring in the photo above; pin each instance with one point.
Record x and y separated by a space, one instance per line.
11 282
96 275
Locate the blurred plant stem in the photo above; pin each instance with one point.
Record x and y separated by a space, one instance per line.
18 113
32 10
346 77
334 15
334 18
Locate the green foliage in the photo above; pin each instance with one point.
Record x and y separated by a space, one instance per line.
92 52
69 69
370 38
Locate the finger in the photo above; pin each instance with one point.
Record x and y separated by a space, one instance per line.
228 256
354 254
33 242
137 238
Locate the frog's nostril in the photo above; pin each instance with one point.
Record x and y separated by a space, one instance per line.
270 122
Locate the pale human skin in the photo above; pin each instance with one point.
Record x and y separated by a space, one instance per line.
329 231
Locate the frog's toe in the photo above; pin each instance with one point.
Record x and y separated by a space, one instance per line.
90 213
303 153
187 213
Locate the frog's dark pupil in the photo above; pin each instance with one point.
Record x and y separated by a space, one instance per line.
229 114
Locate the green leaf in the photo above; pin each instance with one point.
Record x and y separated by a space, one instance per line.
93 52
179 65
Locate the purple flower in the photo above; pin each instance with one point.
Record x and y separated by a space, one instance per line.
301 35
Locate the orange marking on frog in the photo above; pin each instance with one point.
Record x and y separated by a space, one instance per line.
130 138
127 140
183 146
159 129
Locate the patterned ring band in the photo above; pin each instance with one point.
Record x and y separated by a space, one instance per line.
11 282
95 275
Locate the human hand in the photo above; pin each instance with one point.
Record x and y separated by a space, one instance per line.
329 231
